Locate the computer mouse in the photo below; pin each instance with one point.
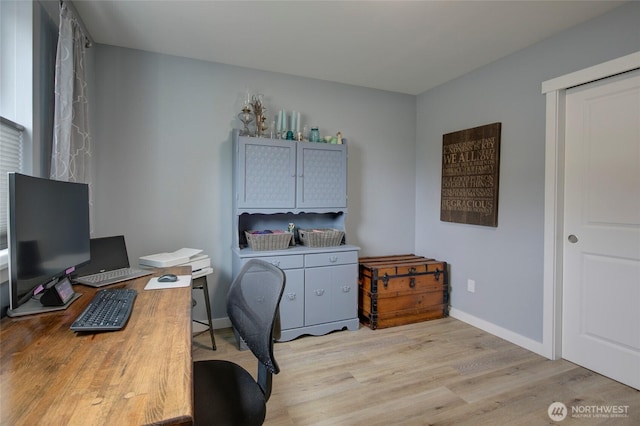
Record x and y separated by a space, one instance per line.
167 278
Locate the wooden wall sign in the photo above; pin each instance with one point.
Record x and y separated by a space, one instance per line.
470 175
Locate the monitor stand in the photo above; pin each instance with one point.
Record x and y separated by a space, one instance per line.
33 306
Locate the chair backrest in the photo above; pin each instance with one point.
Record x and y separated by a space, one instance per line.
252 305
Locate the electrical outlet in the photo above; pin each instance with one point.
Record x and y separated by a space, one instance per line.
471 286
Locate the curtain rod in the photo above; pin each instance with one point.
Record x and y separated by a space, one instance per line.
88 39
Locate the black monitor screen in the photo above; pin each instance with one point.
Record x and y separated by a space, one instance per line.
48 232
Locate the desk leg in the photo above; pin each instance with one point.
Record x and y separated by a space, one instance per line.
208 305
205 288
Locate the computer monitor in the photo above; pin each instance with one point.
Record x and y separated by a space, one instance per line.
48 237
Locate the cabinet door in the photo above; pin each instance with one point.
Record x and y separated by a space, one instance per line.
331 294
292 302
322 175
266 173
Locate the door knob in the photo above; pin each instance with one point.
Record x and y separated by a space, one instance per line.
572 239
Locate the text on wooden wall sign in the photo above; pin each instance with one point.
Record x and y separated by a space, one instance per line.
470 175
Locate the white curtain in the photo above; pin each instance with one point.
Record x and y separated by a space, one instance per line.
71 151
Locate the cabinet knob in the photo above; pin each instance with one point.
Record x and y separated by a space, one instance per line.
346 288
333 259
291 296
319 291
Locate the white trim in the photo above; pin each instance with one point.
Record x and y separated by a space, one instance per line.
555 90
503 333
199 326
596 72
219 323
553 228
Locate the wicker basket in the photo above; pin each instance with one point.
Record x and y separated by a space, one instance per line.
275 241
321 237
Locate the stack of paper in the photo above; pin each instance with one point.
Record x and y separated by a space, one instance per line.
200 263
164 260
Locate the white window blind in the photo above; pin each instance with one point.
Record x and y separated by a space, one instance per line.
10 161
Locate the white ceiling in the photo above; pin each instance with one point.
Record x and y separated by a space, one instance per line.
400 46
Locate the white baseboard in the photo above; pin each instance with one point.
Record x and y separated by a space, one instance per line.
218 323
503 333
221 323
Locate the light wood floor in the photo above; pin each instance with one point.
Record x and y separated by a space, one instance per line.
436 372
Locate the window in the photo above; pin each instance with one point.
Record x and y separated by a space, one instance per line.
10 161
27 63
15 95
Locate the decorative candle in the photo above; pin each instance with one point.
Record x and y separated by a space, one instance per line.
284 120
298 123
279 122
293 120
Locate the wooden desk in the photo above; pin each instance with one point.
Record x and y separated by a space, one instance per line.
138 375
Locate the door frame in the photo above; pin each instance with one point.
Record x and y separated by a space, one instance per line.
555 92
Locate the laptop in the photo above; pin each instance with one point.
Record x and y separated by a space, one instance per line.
109 264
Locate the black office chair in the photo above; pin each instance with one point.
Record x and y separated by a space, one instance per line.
224 392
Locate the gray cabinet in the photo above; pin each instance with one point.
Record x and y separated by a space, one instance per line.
321 176
321 292
277 182
330 291
277 174
265 173
292 303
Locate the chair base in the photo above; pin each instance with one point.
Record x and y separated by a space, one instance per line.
226 394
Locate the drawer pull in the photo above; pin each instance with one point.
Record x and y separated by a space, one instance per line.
412 282
346 288
291 296
319 291
333 259
275 263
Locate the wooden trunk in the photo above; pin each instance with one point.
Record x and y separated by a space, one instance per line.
401 289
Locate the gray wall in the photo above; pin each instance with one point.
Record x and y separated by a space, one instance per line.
161 132
162 144
506 262
162 125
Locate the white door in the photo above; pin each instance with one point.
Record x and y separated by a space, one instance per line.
601 278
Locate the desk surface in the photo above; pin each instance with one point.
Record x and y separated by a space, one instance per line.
138 375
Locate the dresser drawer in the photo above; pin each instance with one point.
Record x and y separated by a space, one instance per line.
282 262
330 258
